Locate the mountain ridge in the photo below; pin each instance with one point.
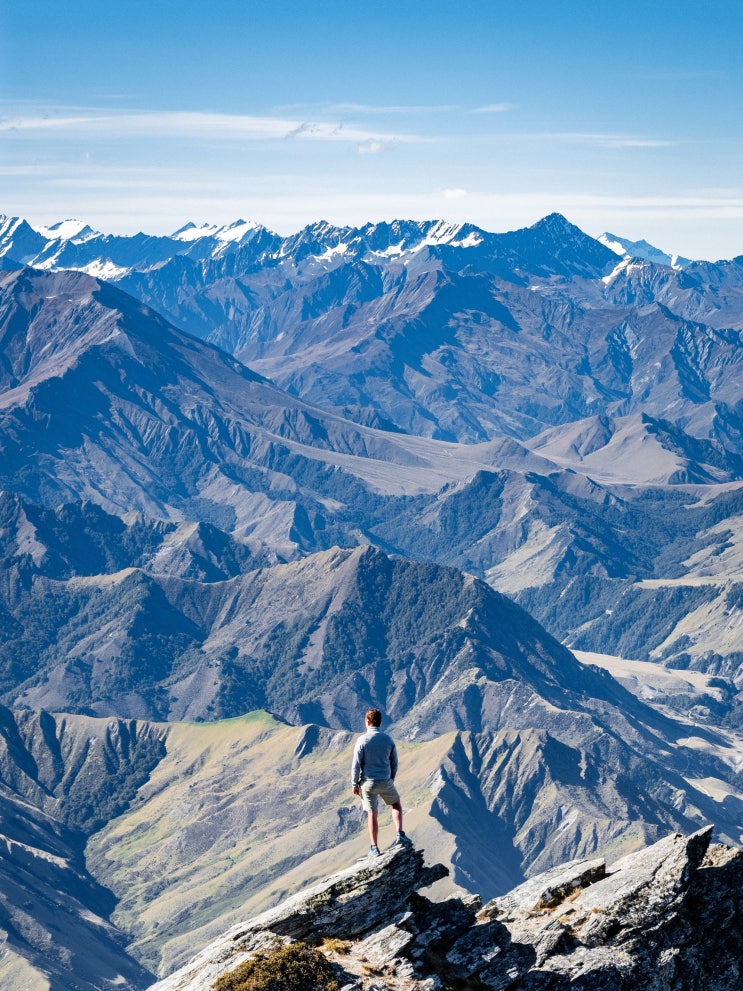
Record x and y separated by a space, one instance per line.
171 427
401 318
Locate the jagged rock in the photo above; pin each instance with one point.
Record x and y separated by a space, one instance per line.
641 888
346 904
669 918
383 946
548 889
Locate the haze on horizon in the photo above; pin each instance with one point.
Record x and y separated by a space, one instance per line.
144 116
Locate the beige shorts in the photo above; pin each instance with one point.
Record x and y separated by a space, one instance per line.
372 791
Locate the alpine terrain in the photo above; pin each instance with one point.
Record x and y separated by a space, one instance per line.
252 485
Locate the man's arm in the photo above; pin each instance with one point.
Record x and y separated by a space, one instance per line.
357 765
393 762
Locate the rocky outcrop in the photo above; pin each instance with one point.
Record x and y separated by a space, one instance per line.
360 899
668 918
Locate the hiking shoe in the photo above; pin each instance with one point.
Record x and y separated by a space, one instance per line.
374 851
402 840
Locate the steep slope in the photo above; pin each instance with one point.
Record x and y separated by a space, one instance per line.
174 623
216 821
60 780
354 625
174 423
167 620
104 402
53 915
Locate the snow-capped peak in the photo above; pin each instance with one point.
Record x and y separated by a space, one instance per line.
641 249
442 232
9 224
235 231
67 230
190 232
456 235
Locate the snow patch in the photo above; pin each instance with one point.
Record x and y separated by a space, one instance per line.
333 252
393 251
68 230
641 249
105 270
624 266
609 242
235 231
441 232
471 241
8 225
191 232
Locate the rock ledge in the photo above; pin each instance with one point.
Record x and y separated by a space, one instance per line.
668 918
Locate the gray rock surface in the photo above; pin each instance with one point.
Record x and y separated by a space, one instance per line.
667 918
359 899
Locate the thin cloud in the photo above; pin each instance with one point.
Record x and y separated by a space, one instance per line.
370 109
624 141
305 129
188 124
365 108
493 108
374 146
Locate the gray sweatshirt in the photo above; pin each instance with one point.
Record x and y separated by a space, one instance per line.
374 757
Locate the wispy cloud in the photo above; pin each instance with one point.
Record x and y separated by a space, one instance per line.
187 124
493 108
621 141
374 146
369 109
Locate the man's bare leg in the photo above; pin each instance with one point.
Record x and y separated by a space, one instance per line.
373 827
397 816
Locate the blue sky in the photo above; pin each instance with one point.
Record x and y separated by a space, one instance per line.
147 114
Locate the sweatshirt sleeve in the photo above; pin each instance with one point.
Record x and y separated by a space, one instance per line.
358 762
393 762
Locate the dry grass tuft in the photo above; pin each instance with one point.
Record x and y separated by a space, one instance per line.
296 967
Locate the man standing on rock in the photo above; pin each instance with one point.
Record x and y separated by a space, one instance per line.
373 775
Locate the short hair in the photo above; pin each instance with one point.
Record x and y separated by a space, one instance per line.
374 717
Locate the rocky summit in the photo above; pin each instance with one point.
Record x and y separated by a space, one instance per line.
667 917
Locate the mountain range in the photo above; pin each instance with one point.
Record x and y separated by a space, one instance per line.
620 516
439 330
409 465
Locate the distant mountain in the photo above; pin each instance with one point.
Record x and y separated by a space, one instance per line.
229 473
641 249
438 329
103 400
106 637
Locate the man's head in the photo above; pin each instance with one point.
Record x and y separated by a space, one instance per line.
374 717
